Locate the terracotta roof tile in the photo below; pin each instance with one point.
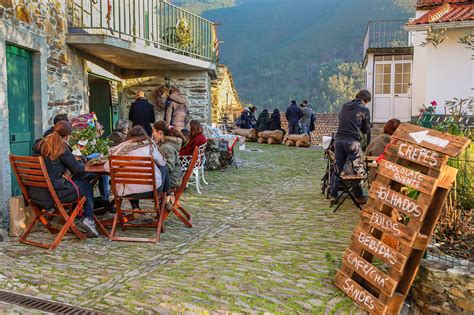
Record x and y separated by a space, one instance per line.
447 13
428 4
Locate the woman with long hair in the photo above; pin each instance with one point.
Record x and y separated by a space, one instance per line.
137 143
169 142
263 121
196 138
275 120
61 164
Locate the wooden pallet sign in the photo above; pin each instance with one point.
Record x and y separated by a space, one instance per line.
405 202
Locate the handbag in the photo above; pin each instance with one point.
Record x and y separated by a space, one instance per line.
20 216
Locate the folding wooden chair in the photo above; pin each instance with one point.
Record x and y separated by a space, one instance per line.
135 170
32 172
178 209
348 183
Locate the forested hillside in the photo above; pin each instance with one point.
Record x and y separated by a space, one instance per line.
298 49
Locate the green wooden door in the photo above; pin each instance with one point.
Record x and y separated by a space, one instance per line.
100 102
20 104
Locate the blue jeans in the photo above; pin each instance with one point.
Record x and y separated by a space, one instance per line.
86 189
348 150
104 186
305 128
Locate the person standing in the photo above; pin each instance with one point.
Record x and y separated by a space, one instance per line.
307 114
253 119
177 113
142 113
293 115
354 118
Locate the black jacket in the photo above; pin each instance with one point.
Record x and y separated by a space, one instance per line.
275 121
354 118
293 114
56 169
142 113
263 122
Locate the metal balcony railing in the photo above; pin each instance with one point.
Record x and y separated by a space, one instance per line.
386 34
152 22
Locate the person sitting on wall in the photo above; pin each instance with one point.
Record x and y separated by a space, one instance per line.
120 132
196 138
177 113
263 121
142 113
60 162
377 146
275 120
354 118
59 117
138 143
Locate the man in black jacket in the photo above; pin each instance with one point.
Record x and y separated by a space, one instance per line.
293 115
354 118
142 113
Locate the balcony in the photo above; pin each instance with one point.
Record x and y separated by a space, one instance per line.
127 37
387 37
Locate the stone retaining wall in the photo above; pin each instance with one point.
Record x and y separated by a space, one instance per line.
443 290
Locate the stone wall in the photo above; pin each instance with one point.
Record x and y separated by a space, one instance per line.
195 85
443 290
59 75
225 99
65 71
324 125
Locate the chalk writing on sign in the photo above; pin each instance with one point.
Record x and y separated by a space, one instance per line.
405 176
358 294
367 269
398 201
384 222
418 154
378 247
420 136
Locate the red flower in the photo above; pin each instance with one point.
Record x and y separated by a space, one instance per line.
433 103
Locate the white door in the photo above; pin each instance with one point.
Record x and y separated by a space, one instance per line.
392 88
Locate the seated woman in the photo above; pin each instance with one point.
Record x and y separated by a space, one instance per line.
196 138
60 161
263 121
169 142
138 143
275 121
377 146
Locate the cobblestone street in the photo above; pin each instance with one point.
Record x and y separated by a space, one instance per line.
264 240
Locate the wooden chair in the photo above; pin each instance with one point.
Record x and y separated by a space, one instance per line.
32 172
178 209
135 170
198 170
370 166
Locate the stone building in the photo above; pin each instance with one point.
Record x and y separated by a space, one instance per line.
225 98
78 56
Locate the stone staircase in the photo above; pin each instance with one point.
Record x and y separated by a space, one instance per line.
377 129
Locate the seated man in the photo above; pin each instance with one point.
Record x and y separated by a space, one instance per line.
120 133
354 118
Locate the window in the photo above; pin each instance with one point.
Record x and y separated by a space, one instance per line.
402 77
383 78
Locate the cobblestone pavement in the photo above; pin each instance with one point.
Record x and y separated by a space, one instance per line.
264 240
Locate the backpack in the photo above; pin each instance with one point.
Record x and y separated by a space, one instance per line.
238 121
